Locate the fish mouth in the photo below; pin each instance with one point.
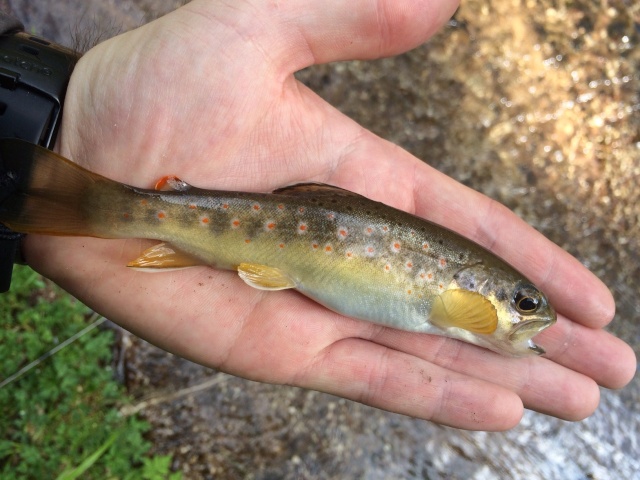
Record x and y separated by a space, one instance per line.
529 329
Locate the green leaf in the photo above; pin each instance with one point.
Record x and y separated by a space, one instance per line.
89 461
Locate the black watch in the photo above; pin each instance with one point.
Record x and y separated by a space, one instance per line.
34 75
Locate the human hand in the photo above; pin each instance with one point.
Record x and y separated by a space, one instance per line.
208 93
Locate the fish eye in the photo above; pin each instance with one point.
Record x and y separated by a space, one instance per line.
526 300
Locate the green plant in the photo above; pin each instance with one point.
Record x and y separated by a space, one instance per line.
62 417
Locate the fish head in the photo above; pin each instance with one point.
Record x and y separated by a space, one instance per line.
522 309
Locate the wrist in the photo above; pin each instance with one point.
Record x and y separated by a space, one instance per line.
33 80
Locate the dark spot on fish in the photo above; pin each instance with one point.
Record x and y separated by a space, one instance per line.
314 200
501 295
334 200
349 208
440 241
461 256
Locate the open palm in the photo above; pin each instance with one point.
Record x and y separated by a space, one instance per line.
207 93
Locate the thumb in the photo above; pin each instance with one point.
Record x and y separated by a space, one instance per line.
298 33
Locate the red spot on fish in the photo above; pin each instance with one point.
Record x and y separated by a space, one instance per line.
256 206
315 246
126 215
409 265
425 246
301 209
270 225
225 206
143 202
368 231
442 263
369 250
342 233
328 249
281 245
349 254
205 220
395 247
281 207
235 223
247 240
192 206
302 227
162 215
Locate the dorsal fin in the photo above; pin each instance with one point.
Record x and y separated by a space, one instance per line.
315 189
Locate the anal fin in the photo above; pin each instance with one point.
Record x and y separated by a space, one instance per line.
164 256
263 277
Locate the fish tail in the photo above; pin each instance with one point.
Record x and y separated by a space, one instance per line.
42 192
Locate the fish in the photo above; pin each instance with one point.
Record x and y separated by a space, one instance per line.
353 255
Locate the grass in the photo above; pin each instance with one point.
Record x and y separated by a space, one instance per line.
61 419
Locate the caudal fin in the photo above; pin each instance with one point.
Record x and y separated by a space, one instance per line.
42 192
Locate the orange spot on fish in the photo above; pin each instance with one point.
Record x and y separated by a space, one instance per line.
302 227
270 226
369 250
143 202
301 209
315 246
328 248
442 263
368 231
205 220
125 215
281 207
281 245
235 223
247 240
331 216
395 247
409 265
256 206
342 233
349 254
385 228
225 206
387 267
425 246
409 292
162 215
430 276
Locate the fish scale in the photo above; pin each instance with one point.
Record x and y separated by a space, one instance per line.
355 256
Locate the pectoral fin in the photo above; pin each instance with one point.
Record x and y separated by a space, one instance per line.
264 278
164 256
464 309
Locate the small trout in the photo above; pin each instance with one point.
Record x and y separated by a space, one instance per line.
355 256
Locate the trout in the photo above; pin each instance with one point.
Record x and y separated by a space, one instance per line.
352 255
